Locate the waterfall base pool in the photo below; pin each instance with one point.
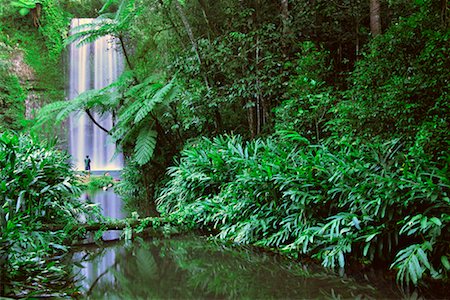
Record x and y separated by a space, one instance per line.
194 268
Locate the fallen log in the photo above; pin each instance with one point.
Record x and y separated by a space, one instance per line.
150 222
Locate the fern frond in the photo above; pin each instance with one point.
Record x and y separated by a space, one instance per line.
107 4
159 97
48 112
145 146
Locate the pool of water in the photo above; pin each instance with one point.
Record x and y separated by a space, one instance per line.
193 267
111 206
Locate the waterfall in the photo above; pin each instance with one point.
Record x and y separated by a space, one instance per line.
92 66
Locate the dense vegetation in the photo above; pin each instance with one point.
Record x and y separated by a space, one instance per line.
337 117
38 188
333 201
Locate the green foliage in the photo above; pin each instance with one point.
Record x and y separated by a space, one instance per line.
24 6
138 121
311 99
37 188
136 124
400 87
145 146
116 24
337 201
130 188
101 101
12 96
376 191
94 183
54 24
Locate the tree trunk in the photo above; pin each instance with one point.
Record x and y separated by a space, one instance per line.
375 19
251 121
36 14
357 38
188 28
88 112
112 225
190 33
444 13
125 53
285 16
260 113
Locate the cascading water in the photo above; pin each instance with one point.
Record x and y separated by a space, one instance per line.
92 66
95 66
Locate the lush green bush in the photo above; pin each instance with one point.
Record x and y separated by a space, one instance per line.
12 96
400 86
372 202
130 188
94 183
310 97
37 188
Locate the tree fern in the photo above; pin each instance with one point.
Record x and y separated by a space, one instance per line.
159 97
106 24
145 146
100 100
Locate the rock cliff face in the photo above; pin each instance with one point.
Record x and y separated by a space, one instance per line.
37 93
27 79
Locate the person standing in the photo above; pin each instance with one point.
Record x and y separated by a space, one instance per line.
87 164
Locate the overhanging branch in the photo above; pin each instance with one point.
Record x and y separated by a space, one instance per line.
95 122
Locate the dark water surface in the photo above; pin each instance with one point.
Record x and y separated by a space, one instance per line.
192 267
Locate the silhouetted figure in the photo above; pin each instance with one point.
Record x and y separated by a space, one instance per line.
87 164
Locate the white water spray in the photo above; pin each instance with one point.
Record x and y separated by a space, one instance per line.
93 66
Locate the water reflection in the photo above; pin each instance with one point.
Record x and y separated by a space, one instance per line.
193 268
101 262
110 205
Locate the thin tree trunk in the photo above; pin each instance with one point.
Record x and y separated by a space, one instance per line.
125 53
190 33
444 13
251 121
259 100
357 39
285 16
375 18
36 14
188 28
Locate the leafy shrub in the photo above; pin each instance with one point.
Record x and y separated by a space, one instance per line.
95 183
130 187
12 96
333 201
309 97
37 188
400 87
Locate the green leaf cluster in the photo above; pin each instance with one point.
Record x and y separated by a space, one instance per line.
37 188
338 201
